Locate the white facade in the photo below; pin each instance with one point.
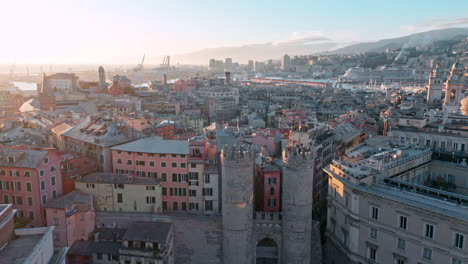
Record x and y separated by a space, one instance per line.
435 140
219 92
61 84
203 189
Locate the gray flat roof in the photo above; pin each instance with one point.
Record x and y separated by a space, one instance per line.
148 231
3 207
19 248
74 197
155 145
88 247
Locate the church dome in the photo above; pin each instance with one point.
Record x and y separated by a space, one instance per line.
456 65
464 106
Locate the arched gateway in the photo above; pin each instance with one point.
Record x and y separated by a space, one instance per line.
266 252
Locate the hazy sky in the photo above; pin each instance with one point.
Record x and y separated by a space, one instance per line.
114 31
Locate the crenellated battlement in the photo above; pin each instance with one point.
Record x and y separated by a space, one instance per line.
237 154
298 156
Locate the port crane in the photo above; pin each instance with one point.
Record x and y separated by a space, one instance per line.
140 66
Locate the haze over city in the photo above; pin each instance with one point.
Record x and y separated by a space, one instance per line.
120 32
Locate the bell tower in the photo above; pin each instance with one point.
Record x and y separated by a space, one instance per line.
454 88
436 83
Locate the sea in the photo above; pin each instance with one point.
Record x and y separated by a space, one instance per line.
25 86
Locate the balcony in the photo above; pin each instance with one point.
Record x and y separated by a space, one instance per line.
196 156
267 217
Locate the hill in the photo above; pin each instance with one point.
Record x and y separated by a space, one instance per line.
414 40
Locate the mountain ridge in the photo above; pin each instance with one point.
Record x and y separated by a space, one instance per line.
316 45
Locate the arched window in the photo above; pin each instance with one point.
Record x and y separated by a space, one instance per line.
452 95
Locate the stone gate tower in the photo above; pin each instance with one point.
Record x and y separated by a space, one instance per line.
298 174
237 204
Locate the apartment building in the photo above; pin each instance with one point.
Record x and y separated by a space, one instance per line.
117 192
138 242
28 180
382 209
155 158
73 166
95 136
73 216
445 134
267 186
203 178
25 245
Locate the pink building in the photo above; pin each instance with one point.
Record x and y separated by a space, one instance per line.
115 89
267 187
73 216
29 179
270 139
157 158
74 165
185 86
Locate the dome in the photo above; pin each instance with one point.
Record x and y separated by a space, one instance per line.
464 106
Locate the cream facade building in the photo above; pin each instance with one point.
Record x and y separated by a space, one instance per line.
381 209
122 192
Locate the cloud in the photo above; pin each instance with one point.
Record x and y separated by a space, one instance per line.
304 40
436 23
456 22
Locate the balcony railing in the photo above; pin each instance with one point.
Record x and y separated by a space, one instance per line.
196 155
268 217
428 191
